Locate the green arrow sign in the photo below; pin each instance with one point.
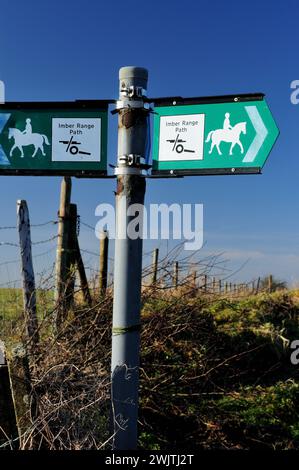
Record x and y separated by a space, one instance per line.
54 138
224 135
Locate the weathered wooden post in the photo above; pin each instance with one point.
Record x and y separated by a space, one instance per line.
219 286
82 275
205 282
72 258
270 283
214 285
194 278
226 287
176 274
8 424
103 272
29 294
20 380
155 265
258 285
62 258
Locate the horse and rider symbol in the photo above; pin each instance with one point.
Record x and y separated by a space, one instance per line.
27 137
230 134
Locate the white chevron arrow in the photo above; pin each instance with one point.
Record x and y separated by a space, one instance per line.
3 158
261 133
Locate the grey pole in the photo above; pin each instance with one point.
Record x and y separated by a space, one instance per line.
132 139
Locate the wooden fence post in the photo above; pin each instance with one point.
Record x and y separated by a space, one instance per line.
155 265
29 293
82 275
103 272
205 283
270 283
219 286
214 285
194 278
62 258
258 285
72 258
8 424
20 382
176 274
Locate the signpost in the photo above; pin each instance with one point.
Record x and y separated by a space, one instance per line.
193 136
220 135
54 138
132 146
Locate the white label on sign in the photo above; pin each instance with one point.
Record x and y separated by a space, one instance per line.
76 139
181 137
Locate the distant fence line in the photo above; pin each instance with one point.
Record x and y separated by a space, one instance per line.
172 274
175 274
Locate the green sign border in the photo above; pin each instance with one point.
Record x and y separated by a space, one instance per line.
80 108
177 105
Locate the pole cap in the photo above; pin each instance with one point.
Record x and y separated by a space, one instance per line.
133 72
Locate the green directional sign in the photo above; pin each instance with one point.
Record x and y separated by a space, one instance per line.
221 135
54 138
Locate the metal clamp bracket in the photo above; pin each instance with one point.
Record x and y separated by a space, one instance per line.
127 104
131 160
133 91
129 170
131 165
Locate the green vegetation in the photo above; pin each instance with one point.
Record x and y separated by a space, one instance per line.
215 372
218 373
11 308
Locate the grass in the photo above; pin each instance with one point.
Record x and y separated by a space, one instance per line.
230 381
12 307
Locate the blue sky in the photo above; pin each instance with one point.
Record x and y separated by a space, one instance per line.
69 50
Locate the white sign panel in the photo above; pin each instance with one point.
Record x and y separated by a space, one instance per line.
181 137
76 139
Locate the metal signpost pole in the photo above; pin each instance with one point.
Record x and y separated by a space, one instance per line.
132 140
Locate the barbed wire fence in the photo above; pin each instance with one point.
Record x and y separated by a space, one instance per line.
208 274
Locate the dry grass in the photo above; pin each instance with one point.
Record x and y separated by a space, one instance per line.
199 353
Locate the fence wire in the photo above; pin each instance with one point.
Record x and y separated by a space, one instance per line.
208 274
